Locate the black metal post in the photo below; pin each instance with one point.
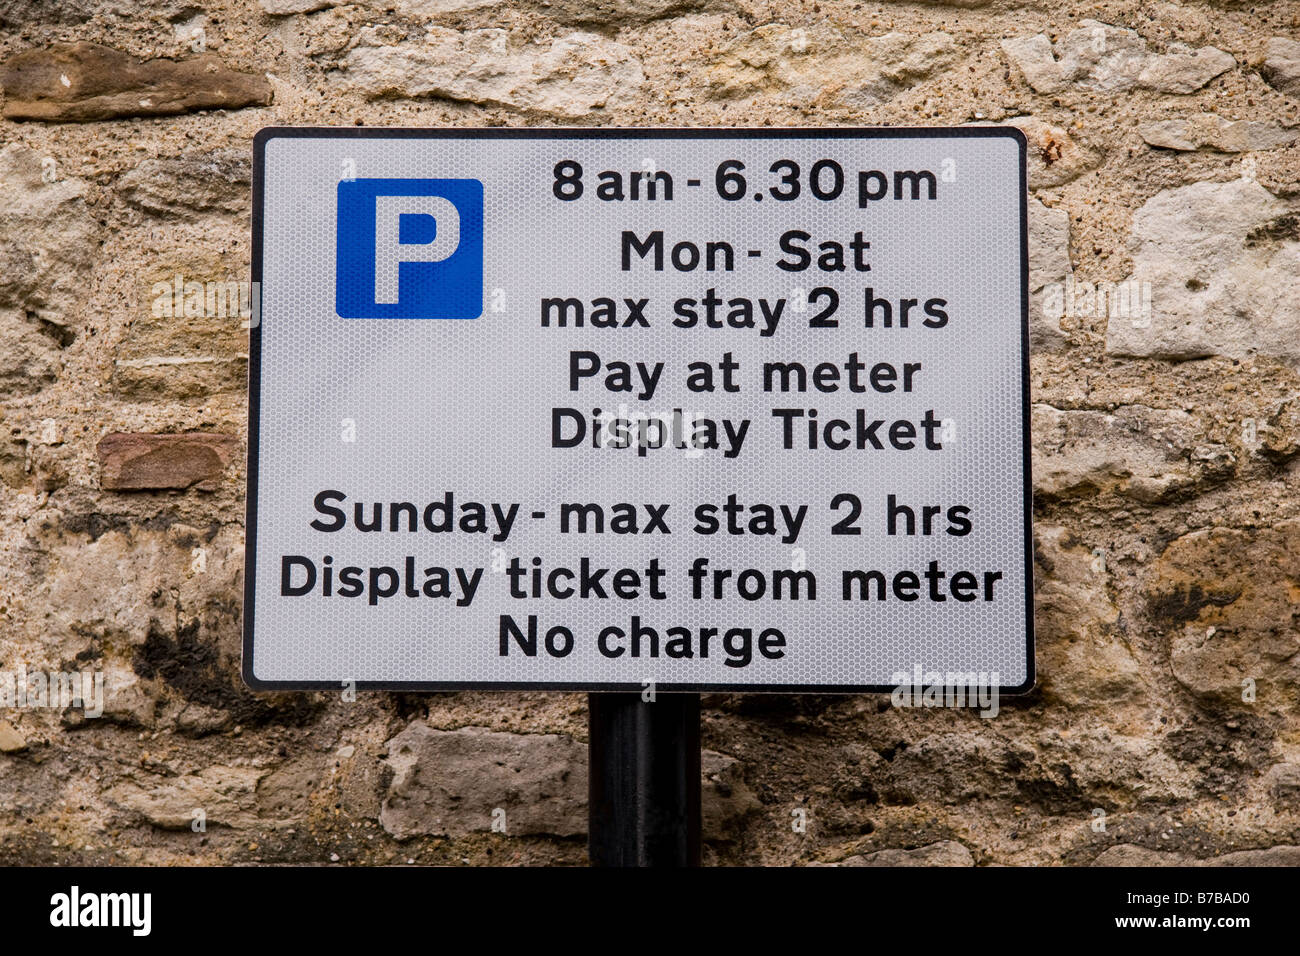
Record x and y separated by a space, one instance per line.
644 798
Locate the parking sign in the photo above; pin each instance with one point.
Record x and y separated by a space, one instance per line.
602 409
410 249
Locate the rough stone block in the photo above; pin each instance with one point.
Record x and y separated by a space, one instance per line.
76 82
142 462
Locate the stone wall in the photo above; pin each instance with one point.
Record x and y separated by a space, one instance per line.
1165 152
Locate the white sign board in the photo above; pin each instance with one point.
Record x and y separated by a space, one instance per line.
590 409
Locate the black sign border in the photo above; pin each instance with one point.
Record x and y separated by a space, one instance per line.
265 135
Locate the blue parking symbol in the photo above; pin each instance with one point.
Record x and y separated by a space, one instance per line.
409 249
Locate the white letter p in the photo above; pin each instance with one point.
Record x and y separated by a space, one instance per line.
390 252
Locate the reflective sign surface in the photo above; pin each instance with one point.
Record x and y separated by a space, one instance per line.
591 409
